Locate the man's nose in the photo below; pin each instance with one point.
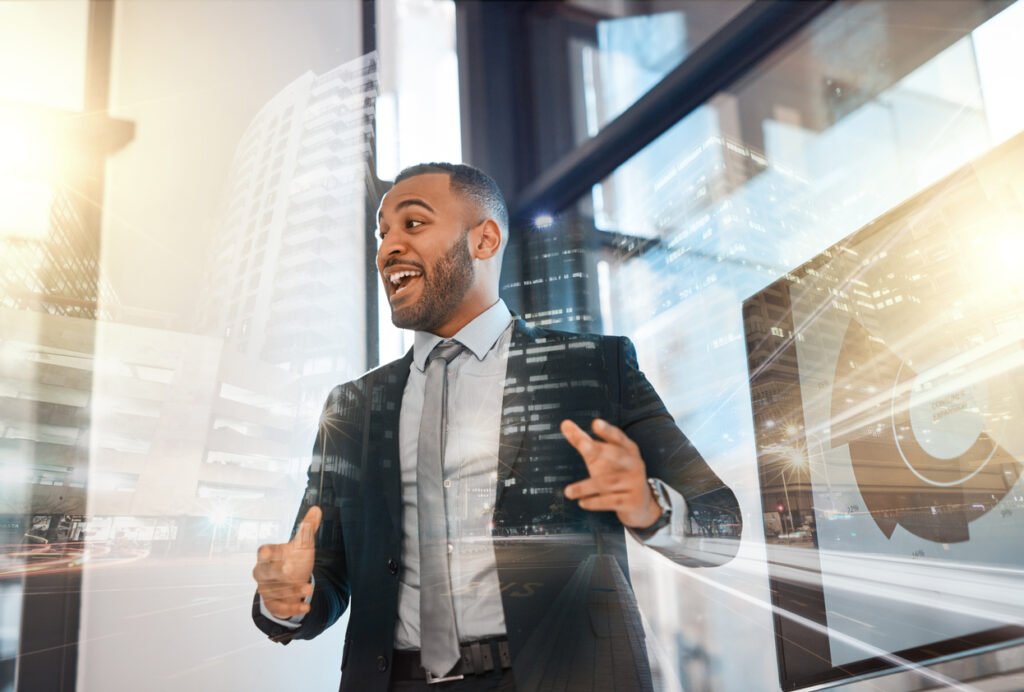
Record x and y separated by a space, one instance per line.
390 246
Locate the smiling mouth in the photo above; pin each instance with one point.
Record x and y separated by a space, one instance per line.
399 282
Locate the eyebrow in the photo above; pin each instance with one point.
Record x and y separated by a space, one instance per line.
412 202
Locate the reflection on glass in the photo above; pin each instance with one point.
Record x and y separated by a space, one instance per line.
886 378
42 79
871 104
631 53
156 429
726 201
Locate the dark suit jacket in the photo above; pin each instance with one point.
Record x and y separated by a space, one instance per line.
355 477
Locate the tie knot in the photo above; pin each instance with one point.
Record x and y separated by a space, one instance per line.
446 350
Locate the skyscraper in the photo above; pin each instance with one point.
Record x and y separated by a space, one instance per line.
286 279
57 274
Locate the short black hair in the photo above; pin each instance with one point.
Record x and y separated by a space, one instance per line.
469 182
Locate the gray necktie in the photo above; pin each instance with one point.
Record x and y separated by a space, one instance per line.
439 642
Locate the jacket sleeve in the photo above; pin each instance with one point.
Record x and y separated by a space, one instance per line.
671 457
338 423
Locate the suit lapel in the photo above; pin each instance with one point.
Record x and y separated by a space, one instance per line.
515 413
381 432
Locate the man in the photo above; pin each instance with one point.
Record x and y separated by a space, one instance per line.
454 494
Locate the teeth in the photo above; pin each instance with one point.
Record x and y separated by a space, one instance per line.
398 276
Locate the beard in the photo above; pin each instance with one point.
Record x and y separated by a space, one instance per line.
444 288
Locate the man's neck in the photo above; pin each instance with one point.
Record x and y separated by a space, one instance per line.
462 318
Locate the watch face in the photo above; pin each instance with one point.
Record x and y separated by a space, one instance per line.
659 497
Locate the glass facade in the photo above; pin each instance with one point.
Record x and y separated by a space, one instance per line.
165 363
866 107
49 267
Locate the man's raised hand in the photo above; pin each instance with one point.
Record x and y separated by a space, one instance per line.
283 570
618 477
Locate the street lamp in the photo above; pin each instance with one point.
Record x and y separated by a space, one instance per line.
789 505
218 517
795 460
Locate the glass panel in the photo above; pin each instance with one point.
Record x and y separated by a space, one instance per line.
633 48
886 380
871 104
42 75
419 66
186 358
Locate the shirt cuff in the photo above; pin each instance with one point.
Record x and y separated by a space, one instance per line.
294 621
676 527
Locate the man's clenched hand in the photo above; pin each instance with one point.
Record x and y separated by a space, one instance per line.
618 477
283 570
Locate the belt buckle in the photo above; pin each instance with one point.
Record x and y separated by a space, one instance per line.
434 679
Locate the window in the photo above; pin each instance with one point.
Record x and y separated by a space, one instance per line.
629 52
416 42
869 105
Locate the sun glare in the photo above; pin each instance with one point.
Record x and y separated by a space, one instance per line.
1008 248
996 261
29 164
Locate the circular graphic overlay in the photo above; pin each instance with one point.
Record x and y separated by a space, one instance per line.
946 414
944 403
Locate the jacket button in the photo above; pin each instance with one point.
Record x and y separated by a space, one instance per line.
382 663
392 566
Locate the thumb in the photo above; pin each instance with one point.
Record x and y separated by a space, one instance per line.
305 537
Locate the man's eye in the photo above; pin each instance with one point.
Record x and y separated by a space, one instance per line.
413 223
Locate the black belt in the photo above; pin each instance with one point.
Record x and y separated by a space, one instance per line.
478 658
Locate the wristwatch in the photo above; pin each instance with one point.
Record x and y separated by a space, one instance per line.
661 497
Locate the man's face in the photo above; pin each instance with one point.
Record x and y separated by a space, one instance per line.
423 258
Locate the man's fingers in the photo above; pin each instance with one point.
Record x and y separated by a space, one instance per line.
578 438
284 591
270 552
612 440
609 502
313 517
598 485
285 609
583 488
277 563
305 537
269 572
610 433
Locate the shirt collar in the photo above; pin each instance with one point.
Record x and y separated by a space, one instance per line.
479 336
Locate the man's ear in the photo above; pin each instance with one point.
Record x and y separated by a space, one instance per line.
486 238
